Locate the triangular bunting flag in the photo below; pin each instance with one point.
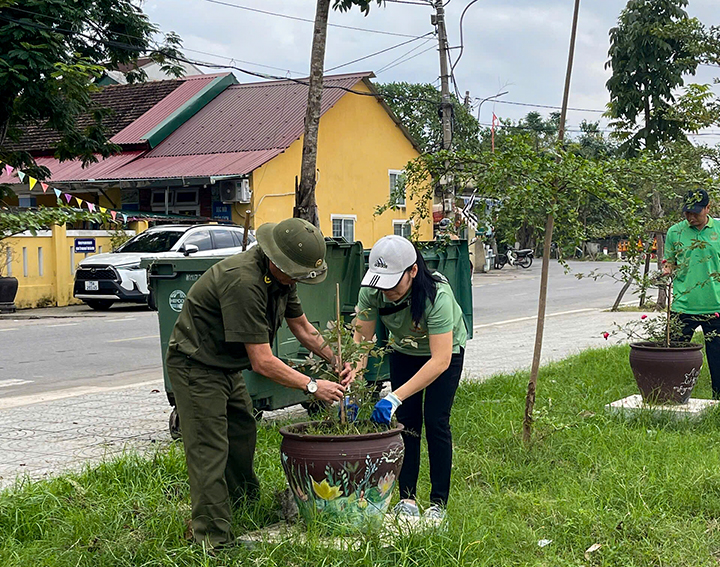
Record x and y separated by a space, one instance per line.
91 207
33 181
125 217
44 186
21 175
68 196
79 201
113 214
57 193
9 169
103 210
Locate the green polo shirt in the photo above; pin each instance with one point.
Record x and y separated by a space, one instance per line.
236 301
696 253
440 317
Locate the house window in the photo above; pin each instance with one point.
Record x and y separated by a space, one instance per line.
397 187
343 226
402 228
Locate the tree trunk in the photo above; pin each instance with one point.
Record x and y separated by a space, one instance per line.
306 206
542 301
646 271
662 290
625 287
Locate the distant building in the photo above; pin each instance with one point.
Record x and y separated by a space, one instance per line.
153 71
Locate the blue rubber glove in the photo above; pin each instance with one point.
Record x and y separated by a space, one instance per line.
385 409
351 409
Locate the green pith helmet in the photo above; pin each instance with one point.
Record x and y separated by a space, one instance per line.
296 247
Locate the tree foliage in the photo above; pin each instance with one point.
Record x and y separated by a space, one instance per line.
51 52
654 46
418 105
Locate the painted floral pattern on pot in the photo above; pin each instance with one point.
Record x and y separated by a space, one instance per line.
348 490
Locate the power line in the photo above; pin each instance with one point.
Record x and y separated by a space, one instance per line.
299 19
409 2
378 52
231 59
398 61
547 106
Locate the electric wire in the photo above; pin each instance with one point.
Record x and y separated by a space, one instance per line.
299 19
400 60
378 52
462 44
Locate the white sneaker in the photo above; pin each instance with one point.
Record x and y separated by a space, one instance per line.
405 508
435 512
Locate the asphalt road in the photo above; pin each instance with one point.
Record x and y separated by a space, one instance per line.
49 356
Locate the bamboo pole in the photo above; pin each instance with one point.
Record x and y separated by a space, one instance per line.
338 328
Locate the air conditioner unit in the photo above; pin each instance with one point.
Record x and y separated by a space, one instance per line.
235 191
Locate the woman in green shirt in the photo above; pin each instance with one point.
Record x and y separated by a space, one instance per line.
415 305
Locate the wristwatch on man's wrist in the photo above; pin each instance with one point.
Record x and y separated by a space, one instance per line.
311 387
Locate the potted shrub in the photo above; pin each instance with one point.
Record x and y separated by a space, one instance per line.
342 469
665 370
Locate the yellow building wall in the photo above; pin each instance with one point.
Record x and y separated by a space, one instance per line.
45 265
358 144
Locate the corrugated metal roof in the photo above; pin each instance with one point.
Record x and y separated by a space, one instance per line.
190 86
251 117
74 171
209 165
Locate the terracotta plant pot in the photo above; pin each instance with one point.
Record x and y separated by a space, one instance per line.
8 291
343 482
666 375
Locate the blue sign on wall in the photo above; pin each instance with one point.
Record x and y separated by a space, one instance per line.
84 245
221 211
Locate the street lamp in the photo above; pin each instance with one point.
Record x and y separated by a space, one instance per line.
488 98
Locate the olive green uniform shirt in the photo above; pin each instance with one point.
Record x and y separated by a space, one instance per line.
442 316
237 301
696 253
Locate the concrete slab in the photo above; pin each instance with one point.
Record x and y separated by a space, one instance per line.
633 405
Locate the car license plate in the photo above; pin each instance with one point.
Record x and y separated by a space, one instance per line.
91 286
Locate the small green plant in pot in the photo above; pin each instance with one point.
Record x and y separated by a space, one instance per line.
342 469
666 367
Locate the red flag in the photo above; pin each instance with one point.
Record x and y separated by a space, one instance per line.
113 214
44 187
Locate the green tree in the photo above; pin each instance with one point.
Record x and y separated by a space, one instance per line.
305 203
417 104
51 52
653 48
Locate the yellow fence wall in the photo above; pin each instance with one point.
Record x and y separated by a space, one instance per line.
45 264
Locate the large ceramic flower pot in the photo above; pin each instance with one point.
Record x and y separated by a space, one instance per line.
666 375
343 482
8 291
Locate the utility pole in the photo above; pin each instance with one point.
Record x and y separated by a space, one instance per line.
439 20
466 102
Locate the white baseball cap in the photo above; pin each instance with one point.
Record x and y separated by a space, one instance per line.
389 259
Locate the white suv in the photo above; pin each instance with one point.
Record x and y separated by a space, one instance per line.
104 279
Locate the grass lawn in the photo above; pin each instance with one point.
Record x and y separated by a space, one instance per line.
647 491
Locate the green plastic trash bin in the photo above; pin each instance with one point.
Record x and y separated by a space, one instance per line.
171 279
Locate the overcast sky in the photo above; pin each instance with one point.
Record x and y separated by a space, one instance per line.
519 46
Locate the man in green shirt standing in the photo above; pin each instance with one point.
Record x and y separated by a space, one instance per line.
692 254
227 324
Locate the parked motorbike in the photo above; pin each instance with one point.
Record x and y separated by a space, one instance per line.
515 257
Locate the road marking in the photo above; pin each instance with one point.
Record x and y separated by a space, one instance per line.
518 320
135 339
5 330
63 325
123 319
8 383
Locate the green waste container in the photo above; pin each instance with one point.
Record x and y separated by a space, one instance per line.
171 279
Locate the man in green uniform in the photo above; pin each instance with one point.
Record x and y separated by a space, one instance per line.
692 253
227 324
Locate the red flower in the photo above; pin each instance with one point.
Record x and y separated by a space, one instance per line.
606 335
717 314
664 262
643 317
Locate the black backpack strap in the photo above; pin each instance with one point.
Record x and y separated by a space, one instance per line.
393 308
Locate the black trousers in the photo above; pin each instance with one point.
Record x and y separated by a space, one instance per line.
710 326
431 406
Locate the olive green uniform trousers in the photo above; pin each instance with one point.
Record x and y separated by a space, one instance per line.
219 434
